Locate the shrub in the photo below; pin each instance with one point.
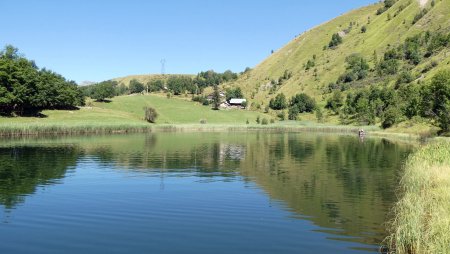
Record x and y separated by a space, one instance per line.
363 29
150 114
265 121
279 102
203 121
336 39
293 113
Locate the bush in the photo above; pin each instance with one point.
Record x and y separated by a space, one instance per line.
392 115
303 103
150 114
279 102
265 121
335 102
336 39
293 113
203 121
363 29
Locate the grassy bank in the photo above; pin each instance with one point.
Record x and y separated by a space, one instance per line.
422 215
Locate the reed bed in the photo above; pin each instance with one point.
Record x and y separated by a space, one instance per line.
24 129
421 223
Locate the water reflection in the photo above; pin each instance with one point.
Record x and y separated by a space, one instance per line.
342 185
22 169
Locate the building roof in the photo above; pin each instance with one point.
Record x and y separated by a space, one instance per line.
237 101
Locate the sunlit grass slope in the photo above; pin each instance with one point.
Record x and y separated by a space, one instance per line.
389 28
125 113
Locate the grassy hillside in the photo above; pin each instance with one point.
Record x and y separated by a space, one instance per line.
390 28
125 112
147 78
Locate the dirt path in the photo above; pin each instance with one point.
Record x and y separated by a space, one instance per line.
423 3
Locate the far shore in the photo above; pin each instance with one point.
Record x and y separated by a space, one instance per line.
19 130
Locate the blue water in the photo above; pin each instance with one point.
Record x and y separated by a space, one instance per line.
216 193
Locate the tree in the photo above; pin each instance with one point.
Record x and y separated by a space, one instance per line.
234 93
26 89
136 86
150 114
357 68
439 92
279 102
216 98
103 90
335 102
303 103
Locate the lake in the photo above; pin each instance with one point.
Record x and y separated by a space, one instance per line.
168 192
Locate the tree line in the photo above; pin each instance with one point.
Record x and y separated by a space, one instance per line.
176 85
26 89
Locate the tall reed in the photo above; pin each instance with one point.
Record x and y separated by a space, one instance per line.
421 223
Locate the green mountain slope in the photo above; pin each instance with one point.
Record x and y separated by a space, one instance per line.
391 28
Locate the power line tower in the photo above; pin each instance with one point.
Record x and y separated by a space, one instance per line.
163 66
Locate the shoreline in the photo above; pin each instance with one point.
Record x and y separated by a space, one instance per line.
27 130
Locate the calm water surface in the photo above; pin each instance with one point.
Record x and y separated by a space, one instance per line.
197 193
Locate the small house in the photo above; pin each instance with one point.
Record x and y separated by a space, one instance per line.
237 102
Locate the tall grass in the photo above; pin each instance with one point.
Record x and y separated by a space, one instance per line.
27 129
421 223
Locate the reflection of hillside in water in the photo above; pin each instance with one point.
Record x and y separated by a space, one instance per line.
22 169
341 184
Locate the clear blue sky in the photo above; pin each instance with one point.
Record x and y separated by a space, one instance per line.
97 40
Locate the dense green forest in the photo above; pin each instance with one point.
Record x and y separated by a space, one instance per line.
25 89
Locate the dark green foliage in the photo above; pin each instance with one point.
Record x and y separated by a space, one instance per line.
438 94
122 89
293 113
405 77
281 115
310 64
150 114
387 4
336 39
102 91
155 86
26 89
335 102
216 98
234 93
319 115
180 84
211 78
388 67
392 115
303 103
265 121
411 49
136 86
202 99
279 102
363 29
436 42
419 16
357 69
